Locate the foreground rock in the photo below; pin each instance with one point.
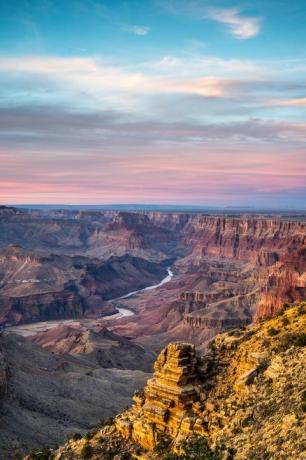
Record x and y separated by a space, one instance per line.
246 394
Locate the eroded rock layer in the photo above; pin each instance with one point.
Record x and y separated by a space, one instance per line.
166 405
246 394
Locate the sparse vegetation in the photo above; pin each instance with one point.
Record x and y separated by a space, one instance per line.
272 331
44 453
86 451
285 321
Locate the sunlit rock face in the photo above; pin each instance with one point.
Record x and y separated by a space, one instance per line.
170 401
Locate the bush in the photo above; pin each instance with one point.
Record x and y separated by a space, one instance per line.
41 454
285 321
198 449
292 339
301 340
162 445
86 451
272 331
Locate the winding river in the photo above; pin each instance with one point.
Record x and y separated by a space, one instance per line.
126 311
43 326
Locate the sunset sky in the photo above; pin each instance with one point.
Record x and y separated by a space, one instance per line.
153 101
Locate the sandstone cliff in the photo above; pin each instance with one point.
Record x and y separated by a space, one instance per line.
246 395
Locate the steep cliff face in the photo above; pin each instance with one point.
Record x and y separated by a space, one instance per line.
246 394
243 237
36 286
282 282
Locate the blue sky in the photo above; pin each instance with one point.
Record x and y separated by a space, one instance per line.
199 102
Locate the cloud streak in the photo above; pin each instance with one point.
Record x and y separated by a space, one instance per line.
137 30
241 27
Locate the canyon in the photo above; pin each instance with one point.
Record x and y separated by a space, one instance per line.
101 293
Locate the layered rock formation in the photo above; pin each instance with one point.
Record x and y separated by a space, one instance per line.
243 266
246 395
167 403
37 286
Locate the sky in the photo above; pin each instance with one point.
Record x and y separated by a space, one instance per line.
199 102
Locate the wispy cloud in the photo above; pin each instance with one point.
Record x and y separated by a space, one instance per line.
241 27
137 30
93 76
294 102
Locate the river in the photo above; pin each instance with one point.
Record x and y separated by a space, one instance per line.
126 311
43 326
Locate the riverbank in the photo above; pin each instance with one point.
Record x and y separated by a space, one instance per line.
26 330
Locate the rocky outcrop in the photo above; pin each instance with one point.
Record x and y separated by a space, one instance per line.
245 394
166 405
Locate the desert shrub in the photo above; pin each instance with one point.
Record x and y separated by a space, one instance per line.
17 456
163 444
300 340
86 451
198 449
285 321
272 331
292 339
91 433
262 366
41 454
76 436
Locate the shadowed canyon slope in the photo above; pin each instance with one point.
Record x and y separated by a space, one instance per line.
44 396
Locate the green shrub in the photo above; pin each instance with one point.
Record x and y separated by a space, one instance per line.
198 449
285 321
86 451
272 331
41 454
162 445
301 340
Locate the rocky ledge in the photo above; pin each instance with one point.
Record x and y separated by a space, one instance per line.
244 399
170 402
